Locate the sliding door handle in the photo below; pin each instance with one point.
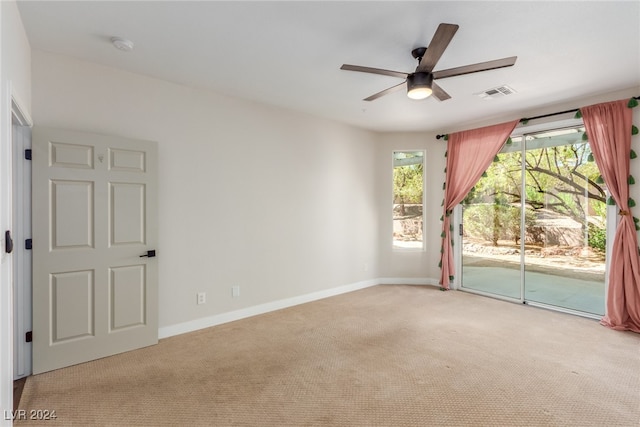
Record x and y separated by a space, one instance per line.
150 254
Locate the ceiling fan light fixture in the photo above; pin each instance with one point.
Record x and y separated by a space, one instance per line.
419 93
419 85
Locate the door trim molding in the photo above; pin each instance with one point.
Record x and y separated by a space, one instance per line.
10 103
20 113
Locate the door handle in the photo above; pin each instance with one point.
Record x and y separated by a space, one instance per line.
8 242
150 254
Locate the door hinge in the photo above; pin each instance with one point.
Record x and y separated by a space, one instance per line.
28 244
28 337
8 242
27 154
461 230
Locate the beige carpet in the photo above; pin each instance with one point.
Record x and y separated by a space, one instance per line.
382 356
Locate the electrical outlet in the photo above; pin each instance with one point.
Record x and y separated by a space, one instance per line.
202 297
235 291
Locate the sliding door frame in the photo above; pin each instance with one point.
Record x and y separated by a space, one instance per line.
611 226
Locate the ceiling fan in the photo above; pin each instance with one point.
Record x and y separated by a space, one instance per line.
420 84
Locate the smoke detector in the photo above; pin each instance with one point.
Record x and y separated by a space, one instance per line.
122 44
496 92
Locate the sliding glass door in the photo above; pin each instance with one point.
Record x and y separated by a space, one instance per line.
492 227
534 227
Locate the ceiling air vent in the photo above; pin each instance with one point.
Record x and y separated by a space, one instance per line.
496 92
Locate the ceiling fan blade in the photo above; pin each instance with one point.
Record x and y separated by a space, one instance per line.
439 93
439 43
374 71
475 68
387 91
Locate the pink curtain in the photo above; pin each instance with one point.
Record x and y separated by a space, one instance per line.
608 128
469 154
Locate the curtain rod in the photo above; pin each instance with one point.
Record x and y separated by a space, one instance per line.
526 119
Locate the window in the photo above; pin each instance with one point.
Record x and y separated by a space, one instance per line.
408 190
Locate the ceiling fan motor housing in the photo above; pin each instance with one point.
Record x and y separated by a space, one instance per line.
419 80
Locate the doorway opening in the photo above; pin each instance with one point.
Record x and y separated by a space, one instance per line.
21 219
535 225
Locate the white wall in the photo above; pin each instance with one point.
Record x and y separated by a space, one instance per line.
14 81
16 55
419 266
279 203
422 267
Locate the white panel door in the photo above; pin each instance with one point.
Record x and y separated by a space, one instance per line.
95 284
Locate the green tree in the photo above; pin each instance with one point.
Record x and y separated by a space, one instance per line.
558 178
407 185
495 221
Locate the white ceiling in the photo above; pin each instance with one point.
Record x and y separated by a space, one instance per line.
289 54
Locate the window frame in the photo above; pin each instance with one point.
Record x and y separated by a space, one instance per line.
422 247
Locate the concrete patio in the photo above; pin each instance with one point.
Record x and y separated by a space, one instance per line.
576 290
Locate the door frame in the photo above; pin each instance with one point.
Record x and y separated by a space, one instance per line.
12 110
21 200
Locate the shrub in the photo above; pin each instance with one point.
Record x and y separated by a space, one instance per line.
597 237
495 221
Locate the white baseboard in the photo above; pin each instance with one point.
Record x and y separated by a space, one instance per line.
218 319
408 281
